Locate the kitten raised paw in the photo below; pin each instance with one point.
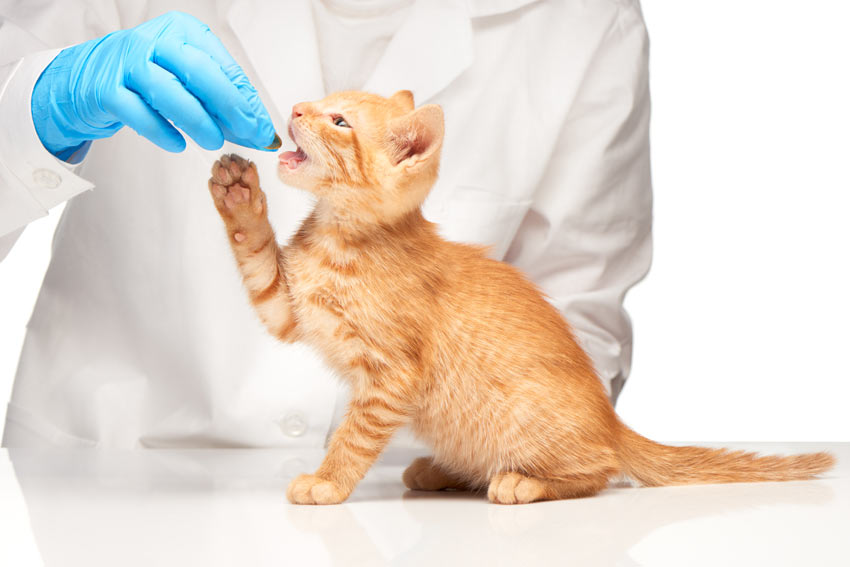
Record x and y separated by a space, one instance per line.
235 189
311 489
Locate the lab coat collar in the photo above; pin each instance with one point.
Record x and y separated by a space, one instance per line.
483 8
289 76
431 49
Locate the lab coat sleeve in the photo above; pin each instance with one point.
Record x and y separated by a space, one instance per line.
587 237
31 179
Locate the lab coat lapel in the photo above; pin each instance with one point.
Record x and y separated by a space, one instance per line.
263 26
430 50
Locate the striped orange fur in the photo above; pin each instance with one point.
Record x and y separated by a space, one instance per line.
432 333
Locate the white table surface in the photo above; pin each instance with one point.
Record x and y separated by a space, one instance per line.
227 507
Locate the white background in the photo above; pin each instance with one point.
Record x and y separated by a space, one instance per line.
741 327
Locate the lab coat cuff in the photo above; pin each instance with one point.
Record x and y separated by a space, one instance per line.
32 180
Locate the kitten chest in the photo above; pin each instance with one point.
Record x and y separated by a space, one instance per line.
333 313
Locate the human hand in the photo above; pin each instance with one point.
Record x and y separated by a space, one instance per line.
170 69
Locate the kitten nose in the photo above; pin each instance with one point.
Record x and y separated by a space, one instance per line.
298 110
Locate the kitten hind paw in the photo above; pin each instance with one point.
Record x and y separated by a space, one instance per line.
424 474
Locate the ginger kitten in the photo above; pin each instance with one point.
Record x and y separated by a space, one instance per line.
432 333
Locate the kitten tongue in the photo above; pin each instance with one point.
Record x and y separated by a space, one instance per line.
292 159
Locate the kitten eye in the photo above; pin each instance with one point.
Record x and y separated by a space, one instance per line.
340 121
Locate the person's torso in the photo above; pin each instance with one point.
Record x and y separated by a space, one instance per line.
142 334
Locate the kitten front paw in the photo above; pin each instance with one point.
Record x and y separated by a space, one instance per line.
235 189
311 489
514 488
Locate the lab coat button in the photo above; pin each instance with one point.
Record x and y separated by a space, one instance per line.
46 178
294 424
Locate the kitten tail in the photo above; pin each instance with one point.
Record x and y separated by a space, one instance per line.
653 464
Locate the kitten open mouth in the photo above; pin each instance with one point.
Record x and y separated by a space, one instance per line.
292 159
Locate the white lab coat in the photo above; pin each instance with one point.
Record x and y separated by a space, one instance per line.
142 335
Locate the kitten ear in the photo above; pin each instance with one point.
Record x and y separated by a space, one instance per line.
403 99
415 137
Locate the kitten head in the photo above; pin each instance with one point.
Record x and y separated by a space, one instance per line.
369 157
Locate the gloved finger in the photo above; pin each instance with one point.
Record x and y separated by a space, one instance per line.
130 109
204 39
166 95
204 78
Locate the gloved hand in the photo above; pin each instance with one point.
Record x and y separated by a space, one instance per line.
171 68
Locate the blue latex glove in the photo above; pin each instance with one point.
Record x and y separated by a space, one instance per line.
171 68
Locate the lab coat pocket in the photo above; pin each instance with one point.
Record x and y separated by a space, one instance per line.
26 429
475 215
